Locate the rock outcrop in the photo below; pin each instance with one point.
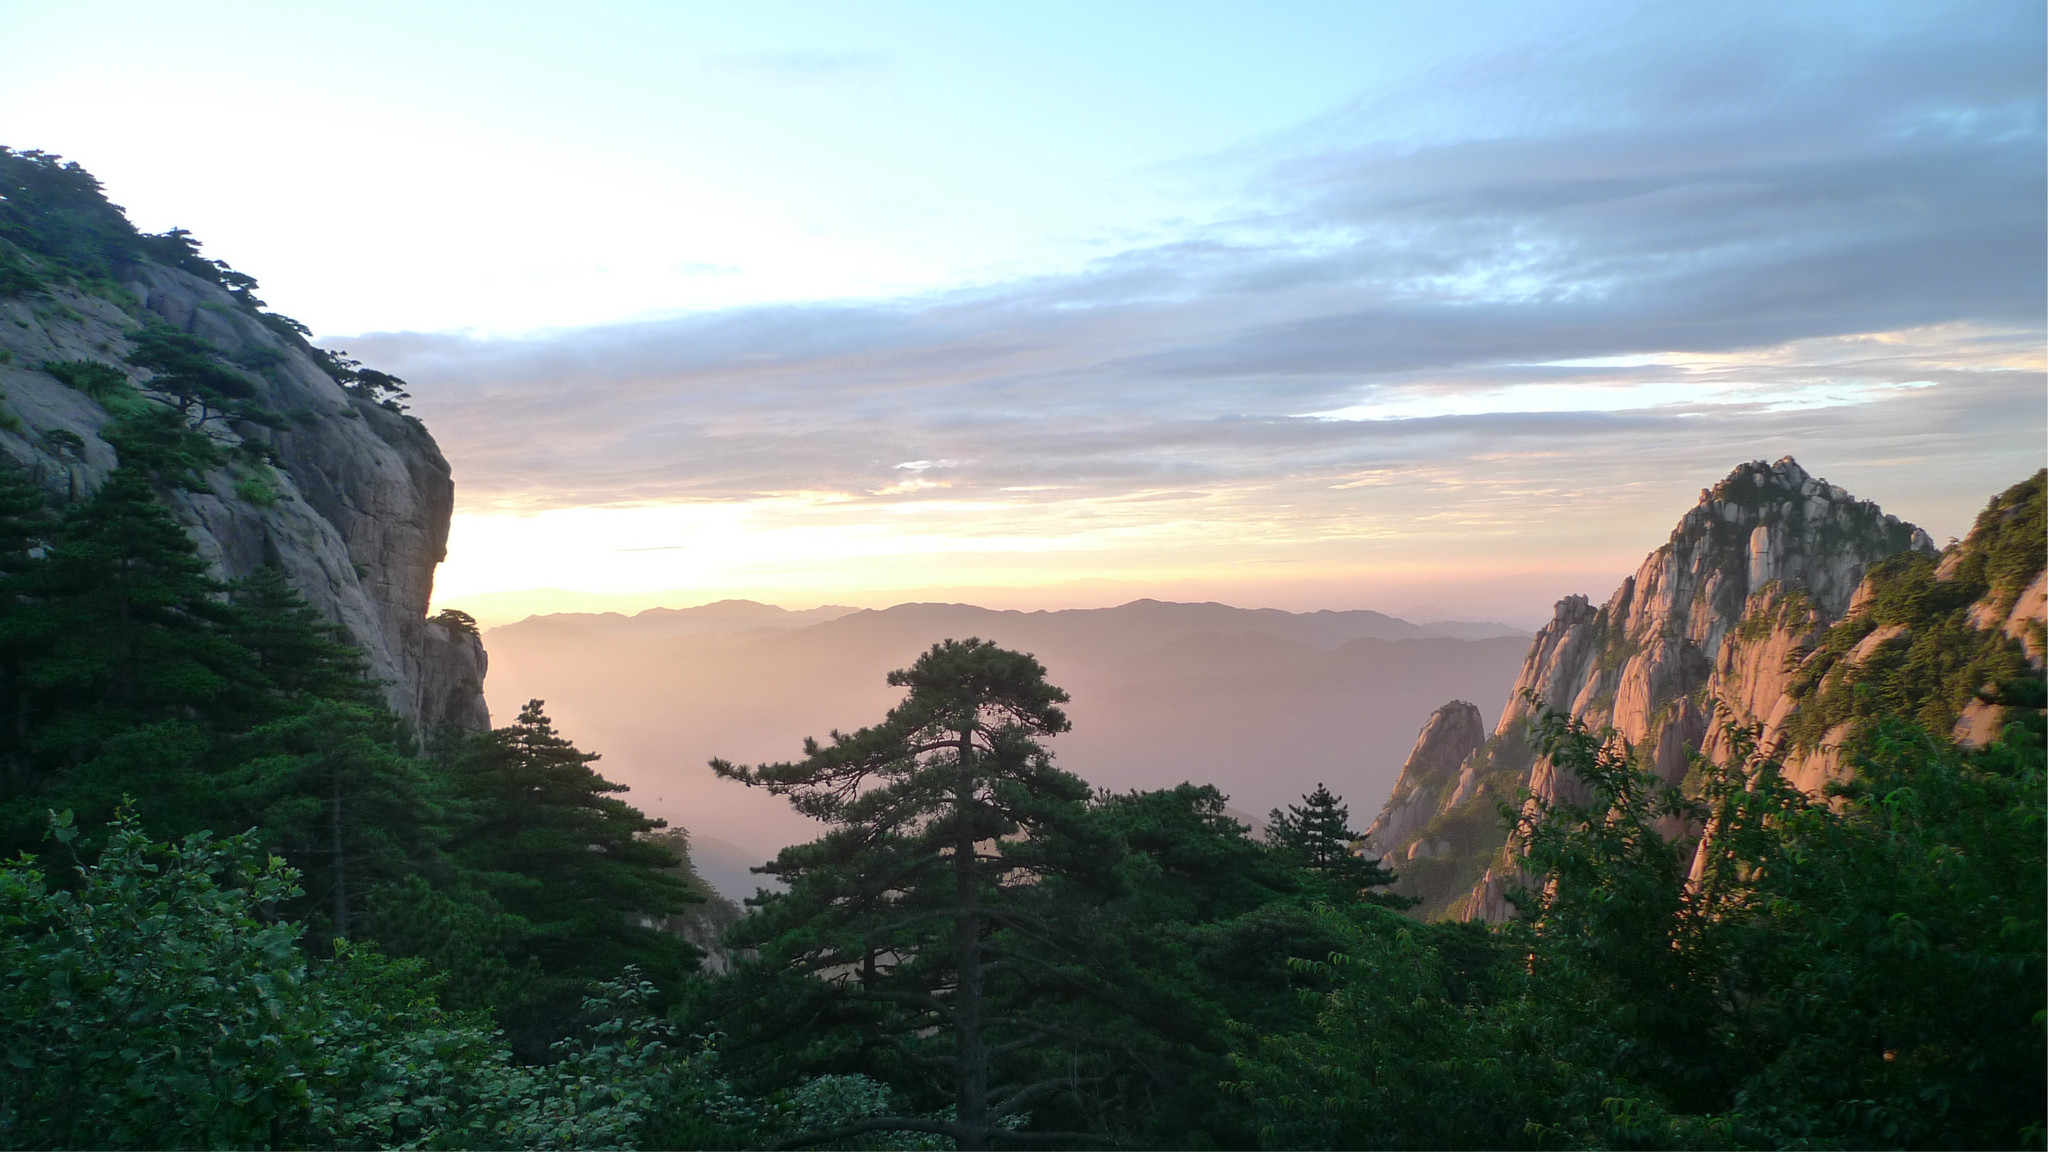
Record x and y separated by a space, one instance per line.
1767 560
1768 536
355 510
1429 776
451 680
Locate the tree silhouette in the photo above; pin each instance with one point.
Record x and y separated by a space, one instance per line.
1318 833
915 924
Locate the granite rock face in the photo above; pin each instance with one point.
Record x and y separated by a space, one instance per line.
355 514
1431 772
451 683
1764 562
1767 535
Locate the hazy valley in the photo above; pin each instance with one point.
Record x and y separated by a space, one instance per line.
1262 703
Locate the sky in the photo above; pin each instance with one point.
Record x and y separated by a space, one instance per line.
1446 309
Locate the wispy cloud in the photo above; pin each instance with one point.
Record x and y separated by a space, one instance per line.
1632 250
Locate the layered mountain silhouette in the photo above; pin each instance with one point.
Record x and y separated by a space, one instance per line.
1260 702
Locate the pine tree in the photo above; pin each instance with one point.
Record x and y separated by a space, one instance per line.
187 369
332 785
124 668
134 617
131 673
299 653
551 843
25 519
915 934
1318 834
26 522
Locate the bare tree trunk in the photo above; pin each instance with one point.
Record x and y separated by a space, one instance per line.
971 1098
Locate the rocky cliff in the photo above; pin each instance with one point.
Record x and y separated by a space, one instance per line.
1937 638
1430 781
347 495
1760 594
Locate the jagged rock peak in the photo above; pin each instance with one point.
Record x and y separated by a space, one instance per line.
1768 539
1638 661
1791 528
1450 735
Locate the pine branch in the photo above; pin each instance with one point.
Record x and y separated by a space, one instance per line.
910 999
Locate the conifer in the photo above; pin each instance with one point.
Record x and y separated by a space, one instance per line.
1318 833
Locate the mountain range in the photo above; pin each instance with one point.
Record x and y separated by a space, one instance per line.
1263 703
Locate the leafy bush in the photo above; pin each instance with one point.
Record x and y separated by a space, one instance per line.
256 488
154 1001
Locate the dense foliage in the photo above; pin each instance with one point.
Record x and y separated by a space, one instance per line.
1865 972
135 682
157 1001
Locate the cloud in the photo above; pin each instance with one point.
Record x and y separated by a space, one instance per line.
1652 243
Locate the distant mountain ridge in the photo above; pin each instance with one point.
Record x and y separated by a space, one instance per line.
1262 702
720 617
1321 628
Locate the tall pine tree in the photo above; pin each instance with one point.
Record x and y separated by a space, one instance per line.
125 673
916 938
546 839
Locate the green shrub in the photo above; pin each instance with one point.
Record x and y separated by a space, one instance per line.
256 488
100 381
152 1000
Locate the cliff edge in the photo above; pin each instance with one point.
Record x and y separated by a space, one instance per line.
318 475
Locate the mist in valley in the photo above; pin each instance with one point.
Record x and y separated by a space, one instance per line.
1262 703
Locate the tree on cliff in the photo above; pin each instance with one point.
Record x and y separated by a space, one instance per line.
914 935
188 371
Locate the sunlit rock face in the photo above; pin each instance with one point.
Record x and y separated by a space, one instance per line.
1764 562
356 515
451 678
1430 775
1768 536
